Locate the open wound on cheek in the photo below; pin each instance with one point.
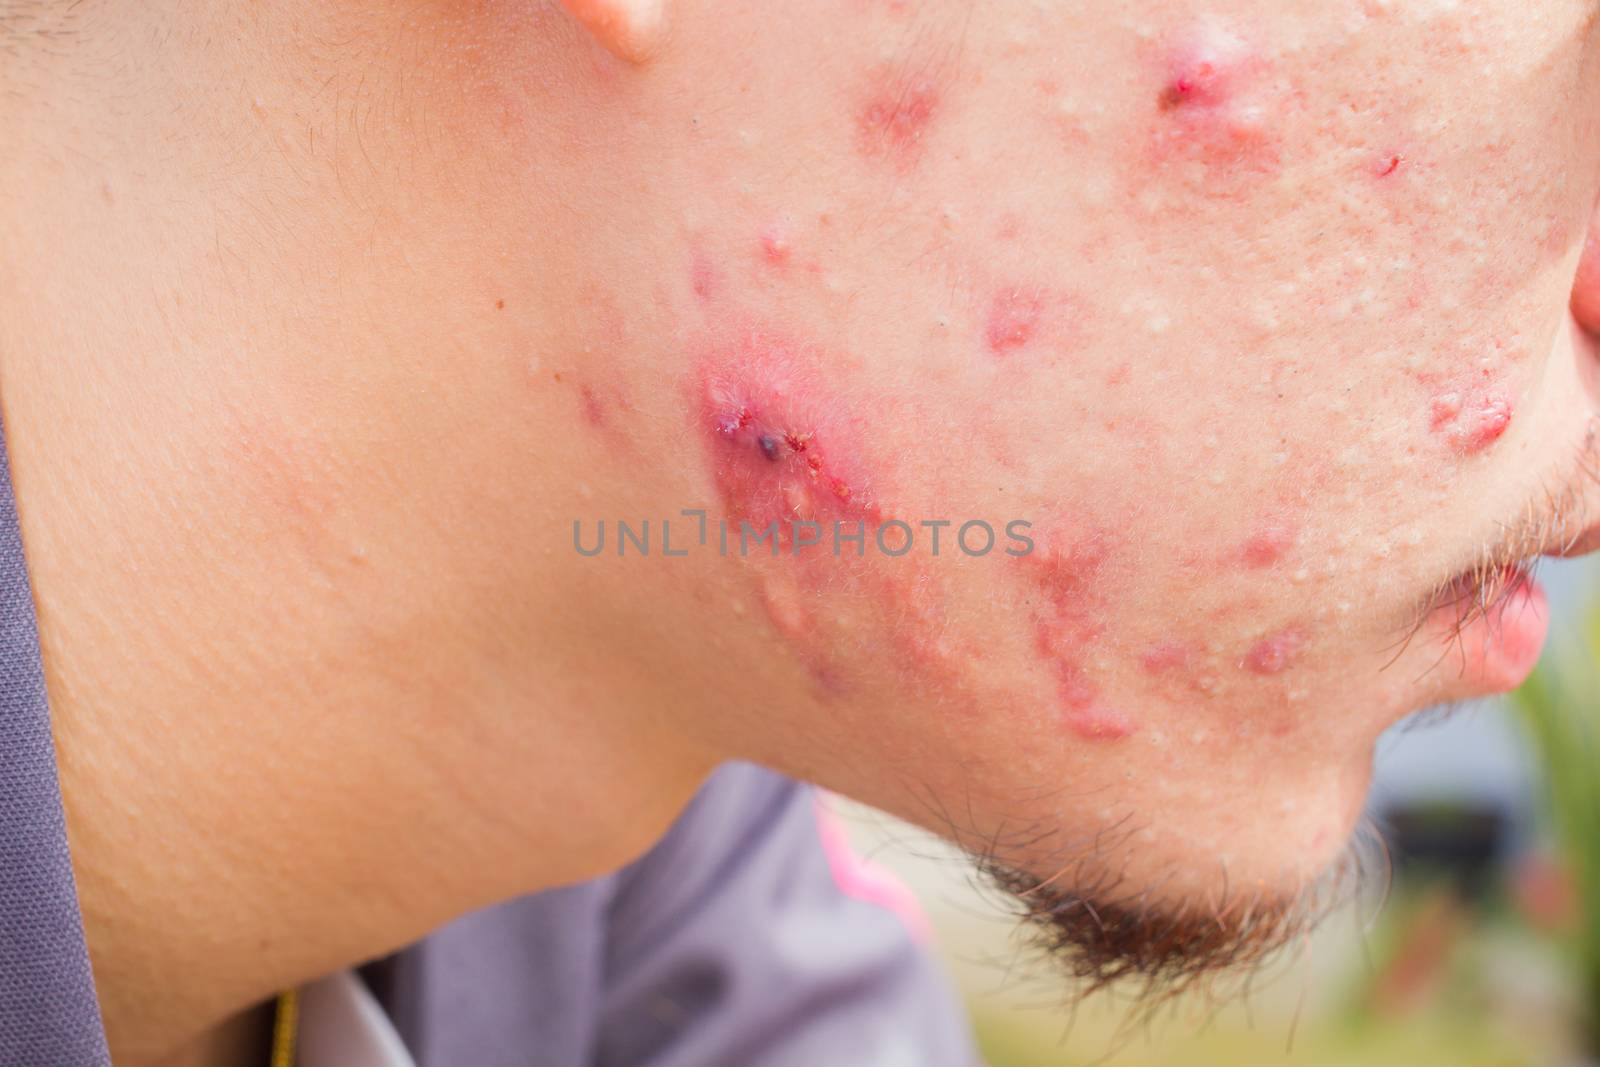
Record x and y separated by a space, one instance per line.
788 454
1068 626
782 449
786 459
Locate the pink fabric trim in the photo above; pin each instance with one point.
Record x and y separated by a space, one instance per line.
861 879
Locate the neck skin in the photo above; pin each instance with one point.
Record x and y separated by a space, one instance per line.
282 504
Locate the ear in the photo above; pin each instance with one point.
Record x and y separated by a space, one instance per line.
1586 285
628 29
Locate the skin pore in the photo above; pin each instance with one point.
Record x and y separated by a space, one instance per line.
322 324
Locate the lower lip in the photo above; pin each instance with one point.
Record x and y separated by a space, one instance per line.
1502 647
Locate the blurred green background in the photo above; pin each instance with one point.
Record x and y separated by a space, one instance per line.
1483 949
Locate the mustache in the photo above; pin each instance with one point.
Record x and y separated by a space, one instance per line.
1551 522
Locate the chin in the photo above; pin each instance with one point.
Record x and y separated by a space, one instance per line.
1167 902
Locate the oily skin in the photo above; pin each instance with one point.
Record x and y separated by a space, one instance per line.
1257 311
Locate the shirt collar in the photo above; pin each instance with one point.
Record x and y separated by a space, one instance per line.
342 1025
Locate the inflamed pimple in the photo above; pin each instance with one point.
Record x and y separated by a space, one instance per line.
1267 545
781 446
1388 164
1274 653
776 248
894 115
1012 321
1469 420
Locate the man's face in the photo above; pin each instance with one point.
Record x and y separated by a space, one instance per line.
1250 318
1256 313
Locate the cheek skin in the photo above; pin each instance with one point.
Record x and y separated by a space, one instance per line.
1217 116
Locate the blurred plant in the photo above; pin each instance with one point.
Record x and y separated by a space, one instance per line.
1560 704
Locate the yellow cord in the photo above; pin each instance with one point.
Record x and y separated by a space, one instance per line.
285 1027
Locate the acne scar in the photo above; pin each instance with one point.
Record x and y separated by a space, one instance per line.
702 277
1274 653
593 412
1068 574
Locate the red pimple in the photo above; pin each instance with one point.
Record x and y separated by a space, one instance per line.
896 114
1267 545
775 246
1490 418
1275 652
1013 319
1444 409
1081 710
